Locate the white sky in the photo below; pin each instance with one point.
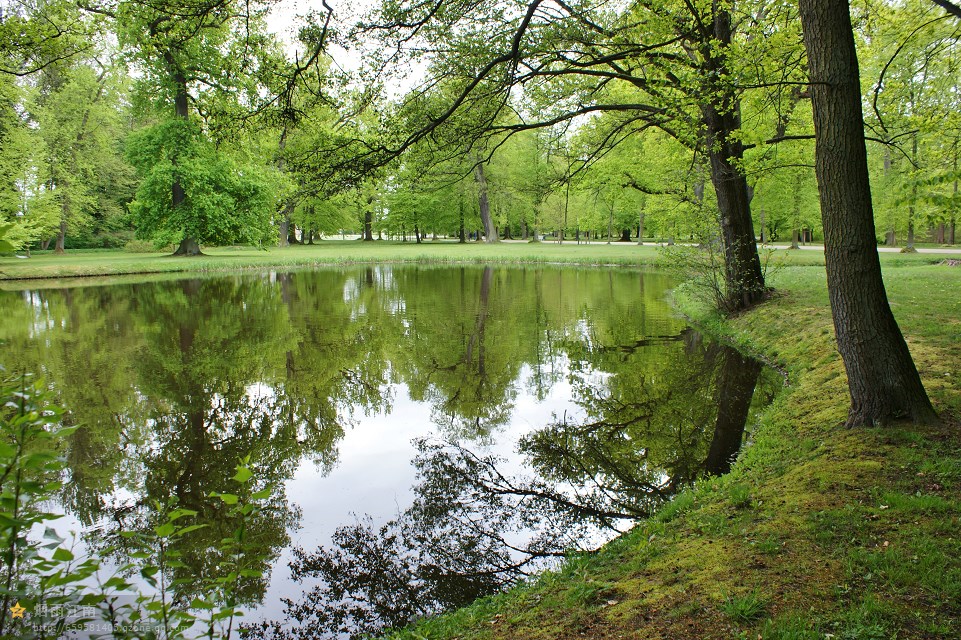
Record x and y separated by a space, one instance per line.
287 15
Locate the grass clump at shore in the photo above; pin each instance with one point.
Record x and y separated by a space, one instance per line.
818 531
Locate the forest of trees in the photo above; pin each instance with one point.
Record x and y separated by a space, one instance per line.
193 123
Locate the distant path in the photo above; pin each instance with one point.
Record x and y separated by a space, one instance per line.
820 247
779 247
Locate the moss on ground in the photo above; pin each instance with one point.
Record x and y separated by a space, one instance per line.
818 531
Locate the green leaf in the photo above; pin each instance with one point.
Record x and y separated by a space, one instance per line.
243 474
261 495
227 498
63 555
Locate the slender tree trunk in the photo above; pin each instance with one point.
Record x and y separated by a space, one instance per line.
909 247
721 115
567 200
884 383
288 206
954 213
490 231
461 232
640 226
610 223
890 236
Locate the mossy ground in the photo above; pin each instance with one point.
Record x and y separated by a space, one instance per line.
818 532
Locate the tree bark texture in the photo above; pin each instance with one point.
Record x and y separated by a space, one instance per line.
490 231
883 381
721 115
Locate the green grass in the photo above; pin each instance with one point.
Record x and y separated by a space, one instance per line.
745 607
76 263
333 252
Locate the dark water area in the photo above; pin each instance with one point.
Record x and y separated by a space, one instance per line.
428 434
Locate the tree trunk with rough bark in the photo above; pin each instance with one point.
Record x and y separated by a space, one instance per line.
61 237
490 231
883 381
721 115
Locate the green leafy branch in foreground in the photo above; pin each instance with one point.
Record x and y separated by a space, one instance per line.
46 589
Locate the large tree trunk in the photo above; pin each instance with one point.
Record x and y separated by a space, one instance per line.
61 236
490 231
640 226
883 381
189 246
368 223
283 241
744 279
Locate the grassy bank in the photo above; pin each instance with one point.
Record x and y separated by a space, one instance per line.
819 531
81 263
97 263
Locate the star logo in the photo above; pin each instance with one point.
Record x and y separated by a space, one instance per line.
16 611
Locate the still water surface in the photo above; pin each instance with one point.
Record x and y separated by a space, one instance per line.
430 434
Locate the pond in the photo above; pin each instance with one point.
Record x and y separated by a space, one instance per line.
428 434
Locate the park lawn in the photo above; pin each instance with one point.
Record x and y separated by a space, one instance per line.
79 263
333 252
819 531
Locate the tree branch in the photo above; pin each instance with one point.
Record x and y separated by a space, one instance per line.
950 7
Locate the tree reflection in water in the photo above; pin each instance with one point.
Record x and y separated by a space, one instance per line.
474 529
173 381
